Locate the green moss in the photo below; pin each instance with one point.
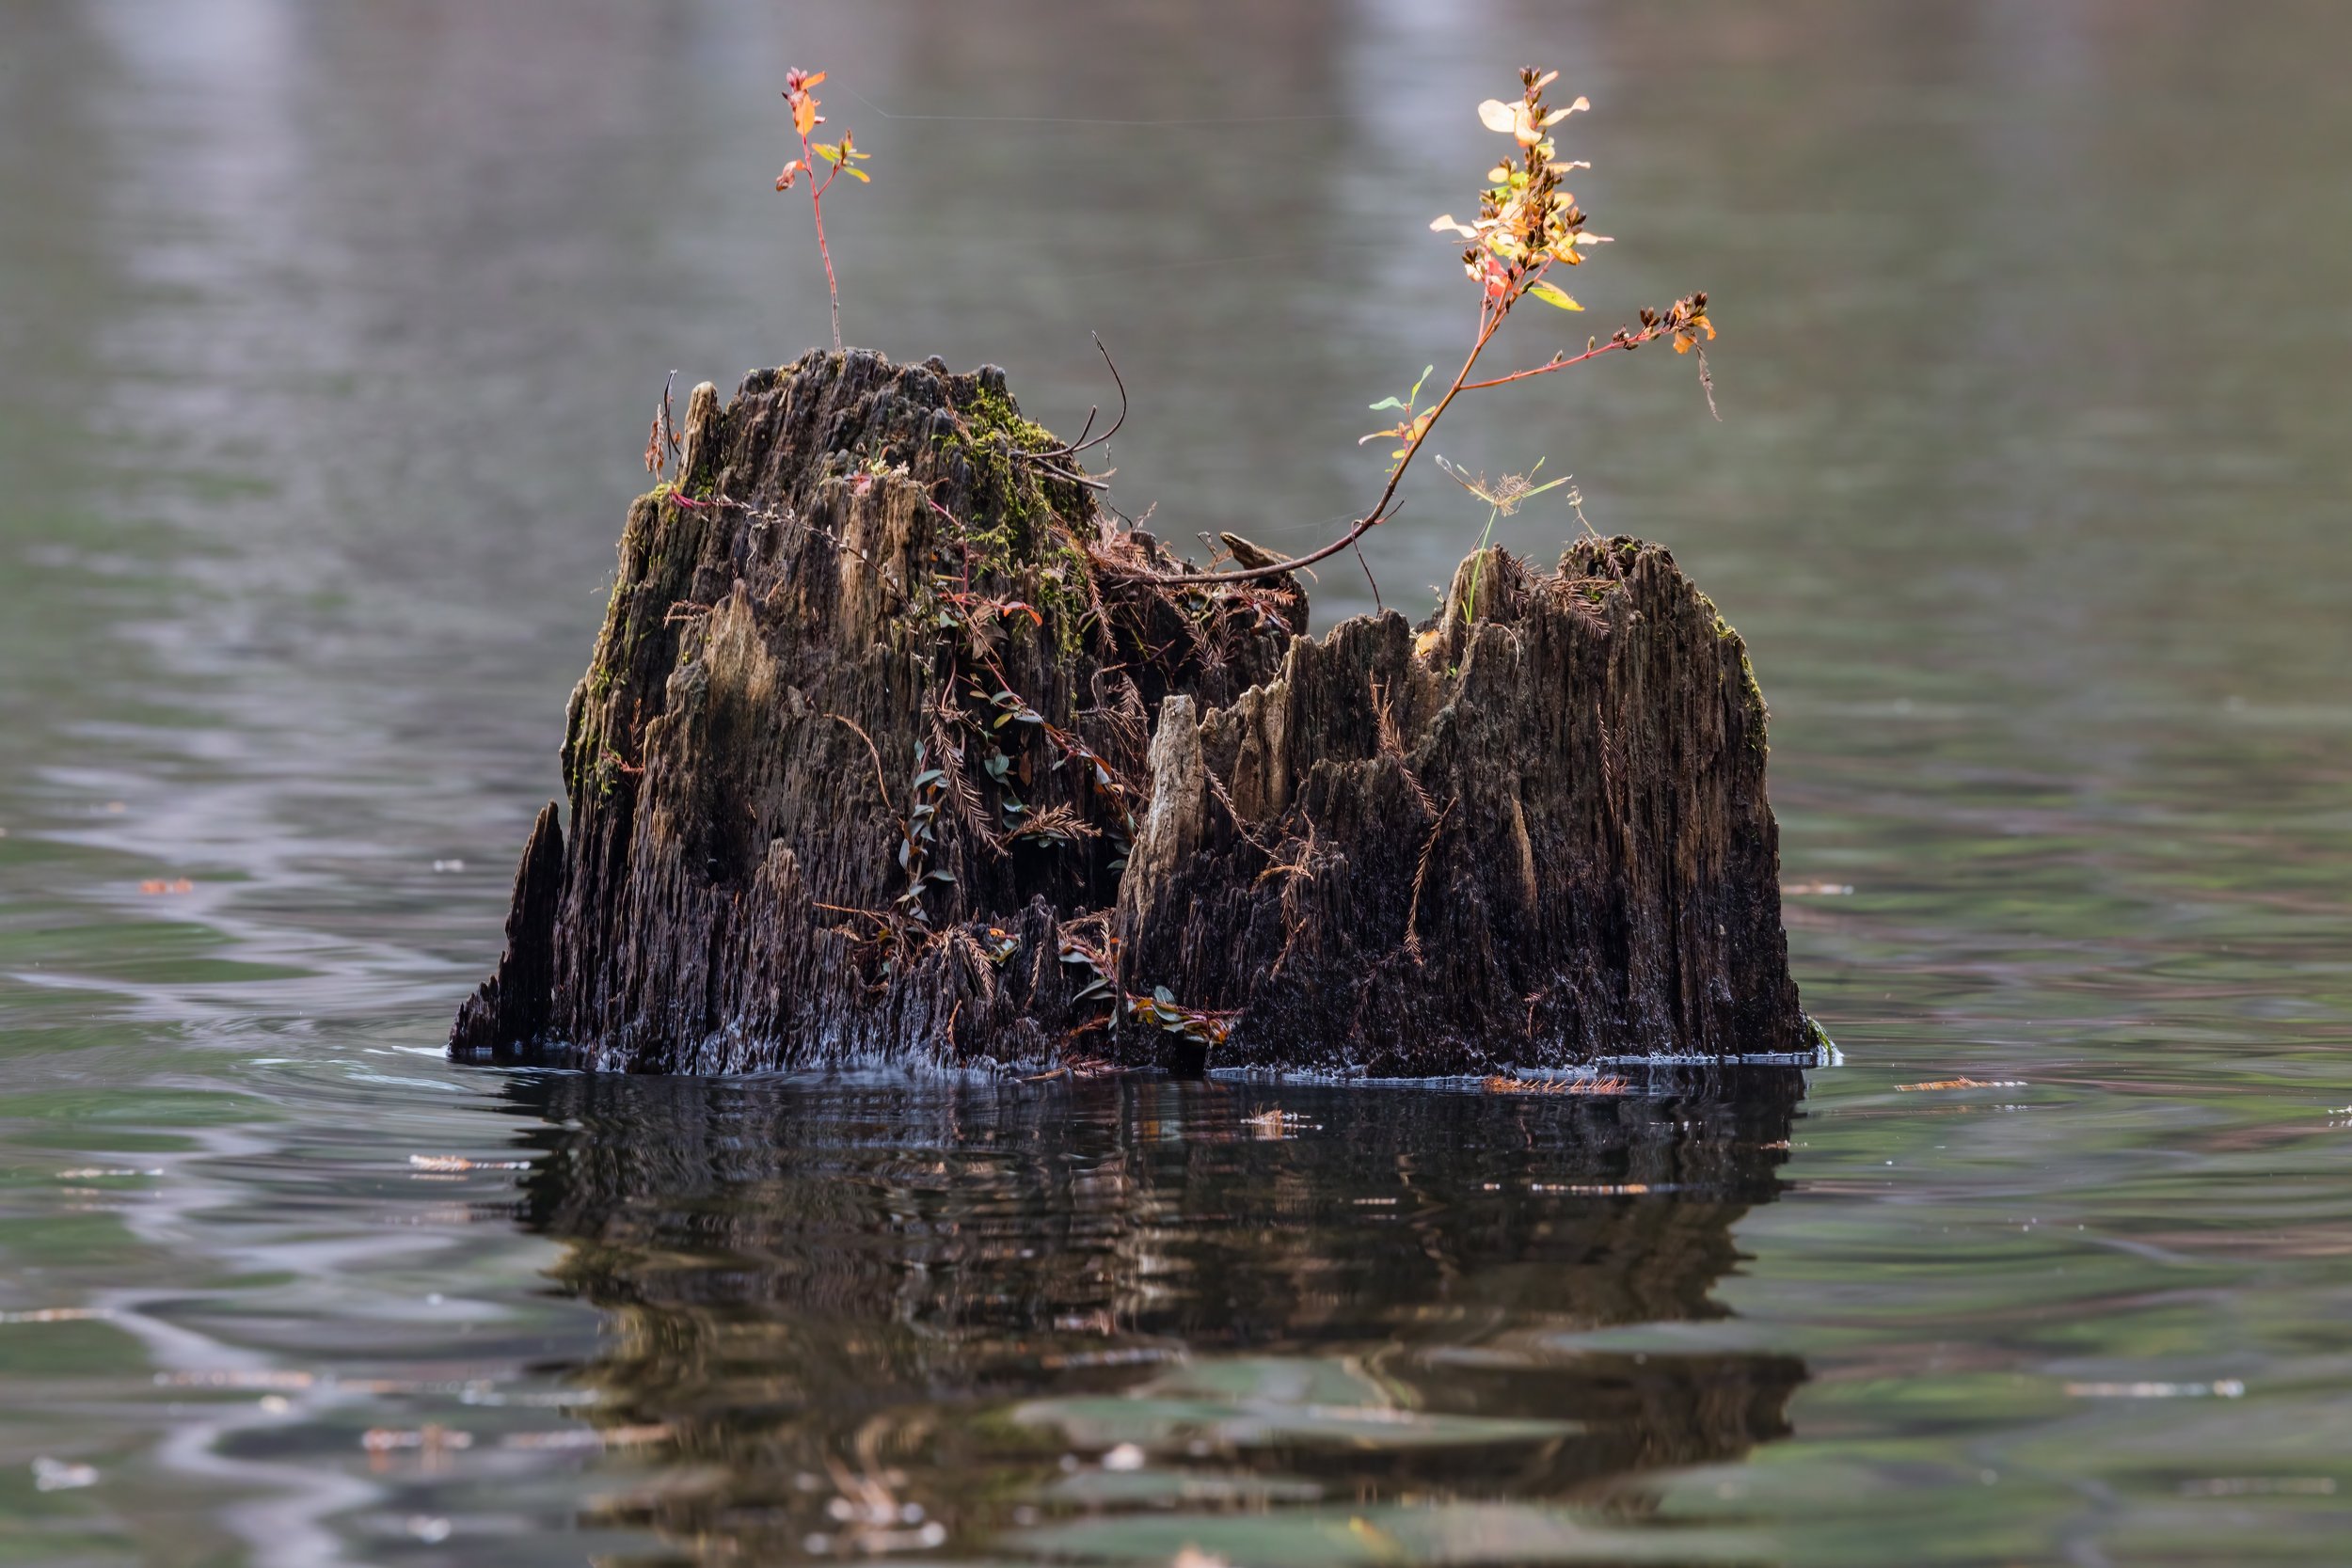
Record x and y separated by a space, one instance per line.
1752 695
1019 520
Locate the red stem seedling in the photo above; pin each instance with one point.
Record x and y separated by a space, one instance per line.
840 158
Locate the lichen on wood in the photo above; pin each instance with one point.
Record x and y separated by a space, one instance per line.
893 750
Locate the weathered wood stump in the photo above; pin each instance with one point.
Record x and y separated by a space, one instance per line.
894 750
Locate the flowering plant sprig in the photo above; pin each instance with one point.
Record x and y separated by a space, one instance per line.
840 158
1527 224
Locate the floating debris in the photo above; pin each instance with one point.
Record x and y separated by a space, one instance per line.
157 884
1134 1355
817 1543
2223 1388
1127 1456
94 1173
428 1527
1074 1067
446 866
244 1377
1279 1124
451 1164
2260 1486
1821 889
431 1438
1502 1085
56 1475
55 1315
1960 1084
572 1438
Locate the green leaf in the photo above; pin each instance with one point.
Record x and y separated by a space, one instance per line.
1164 996
857 174
1552 295
830 151
1387 402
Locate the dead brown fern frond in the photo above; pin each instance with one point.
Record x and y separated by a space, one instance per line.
948 717
1392 747
1055 823
1421 875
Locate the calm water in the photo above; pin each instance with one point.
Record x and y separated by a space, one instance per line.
332 329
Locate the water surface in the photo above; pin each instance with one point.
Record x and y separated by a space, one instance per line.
335 327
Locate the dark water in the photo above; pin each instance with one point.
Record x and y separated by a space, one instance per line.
332 329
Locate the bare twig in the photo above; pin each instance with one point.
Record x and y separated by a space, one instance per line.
874 752
1081 444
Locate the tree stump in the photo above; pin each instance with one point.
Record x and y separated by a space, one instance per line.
894 749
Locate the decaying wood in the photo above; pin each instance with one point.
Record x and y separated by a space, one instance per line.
891 751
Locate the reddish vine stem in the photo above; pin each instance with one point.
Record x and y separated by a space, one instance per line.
1525 223
1382 509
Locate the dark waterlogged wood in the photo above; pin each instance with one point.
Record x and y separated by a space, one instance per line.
891 751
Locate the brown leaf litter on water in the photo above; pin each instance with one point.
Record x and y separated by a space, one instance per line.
451 1164
1499 1084
57 1315
1938 1084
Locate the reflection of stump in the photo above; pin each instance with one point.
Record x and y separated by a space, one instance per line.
891 750
1361 1297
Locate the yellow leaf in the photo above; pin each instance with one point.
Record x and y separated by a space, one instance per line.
1552 295
857 174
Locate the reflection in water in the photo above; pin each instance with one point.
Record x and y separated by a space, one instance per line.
337 324
884 1315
